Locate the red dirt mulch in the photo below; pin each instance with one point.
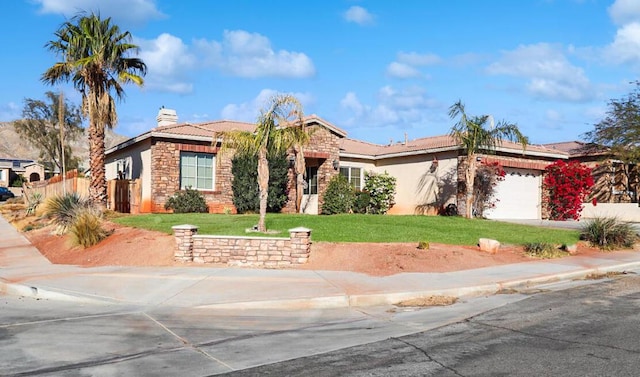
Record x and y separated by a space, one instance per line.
136 247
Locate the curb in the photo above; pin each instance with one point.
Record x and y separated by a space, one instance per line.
339 301
13 289
364 300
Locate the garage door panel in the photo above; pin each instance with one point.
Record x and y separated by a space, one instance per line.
518 196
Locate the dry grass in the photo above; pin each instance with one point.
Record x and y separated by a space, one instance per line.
428 301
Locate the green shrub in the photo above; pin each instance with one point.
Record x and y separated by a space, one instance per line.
338 197
423 245
86 229
62 209
246 194
543 250
608 233
18 181
187 201
361 202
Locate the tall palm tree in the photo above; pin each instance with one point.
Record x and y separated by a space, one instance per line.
96 57
470 132
279 127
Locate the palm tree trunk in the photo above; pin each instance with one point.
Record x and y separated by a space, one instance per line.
299 169
98 183
263 185
470 175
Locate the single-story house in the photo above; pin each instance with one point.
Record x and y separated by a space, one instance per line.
173 155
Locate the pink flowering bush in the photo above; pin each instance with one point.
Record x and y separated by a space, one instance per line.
567 186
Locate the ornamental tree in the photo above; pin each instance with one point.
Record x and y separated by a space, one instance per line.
567 186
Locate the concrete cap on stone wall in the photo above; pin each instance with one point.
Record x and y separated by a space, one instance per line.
184 227
300 229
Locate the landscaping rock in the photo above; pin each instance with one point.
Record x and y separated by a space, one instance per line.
571 249
488 245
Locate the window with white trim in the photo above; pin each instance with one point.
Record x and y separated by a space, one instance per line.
196 171
353 175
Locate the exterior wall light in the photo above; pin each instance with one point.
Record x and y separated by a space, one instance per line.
336 164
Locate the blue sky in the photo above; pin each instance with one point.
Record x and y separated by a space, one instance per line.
377 69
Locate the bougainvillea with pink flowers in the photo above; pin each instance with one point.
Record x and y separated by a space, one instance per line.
567 184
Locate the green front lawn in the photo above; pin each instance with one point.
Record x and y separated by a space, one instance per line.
361 228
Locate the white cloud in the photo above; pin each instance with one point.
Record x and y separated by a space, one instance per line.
408 107
405 66
248 111
402 71
359 15
625 11
168 62
415 59
250 55
626 46
550 75
129 11
171 62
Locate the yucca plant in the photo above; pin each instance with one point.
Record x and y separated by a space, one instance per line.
608 233
86 229
62 210
34 200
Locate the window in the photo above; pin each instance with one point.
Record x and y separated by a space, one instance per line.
196 170
311 187
354 175
123 167
2 175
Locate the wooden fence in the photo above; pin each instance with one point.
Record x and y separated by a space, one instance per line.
57 186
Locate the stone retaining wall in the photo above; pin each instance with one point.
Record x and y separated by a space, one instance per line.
242 251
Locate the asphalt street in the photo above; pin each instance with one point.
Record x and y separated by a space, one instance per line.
591 330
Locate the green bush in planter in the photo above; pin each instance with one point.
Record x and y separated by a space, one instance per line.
187 201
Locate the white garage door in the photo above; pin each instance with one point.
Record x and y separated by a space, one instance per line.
518 194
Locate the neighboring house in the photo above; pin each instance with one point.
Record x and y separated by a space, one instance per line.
11 167
175 155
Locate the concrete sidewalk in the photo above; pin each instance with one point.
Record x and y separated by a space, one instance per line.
25 272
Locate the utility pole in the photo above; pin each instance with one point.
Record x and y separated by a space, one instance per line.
61 125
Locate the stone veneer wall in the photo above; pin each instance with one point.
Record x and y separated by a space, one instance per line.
242 251
165 175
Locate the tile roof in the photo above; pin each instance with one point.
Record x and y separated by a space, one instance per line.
578 148
203 129
427 144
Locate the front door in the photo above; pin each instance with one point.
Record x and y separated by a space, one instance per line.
310 198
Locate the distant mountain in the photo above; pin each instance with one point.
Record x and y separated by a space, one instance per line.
12 146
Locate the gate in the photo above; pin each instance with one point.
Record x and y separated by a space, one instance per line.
122 196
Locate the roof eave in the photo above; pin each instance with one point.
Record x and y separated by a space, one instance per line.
161 135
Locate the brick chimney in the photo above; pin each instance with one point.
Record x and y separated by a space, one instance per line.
166 117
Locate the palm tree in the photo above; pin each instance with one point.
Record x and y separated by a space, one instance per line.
95 56
279 127
470 132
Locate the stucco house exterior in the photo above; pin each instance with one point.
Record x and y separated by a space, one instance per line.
173 155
